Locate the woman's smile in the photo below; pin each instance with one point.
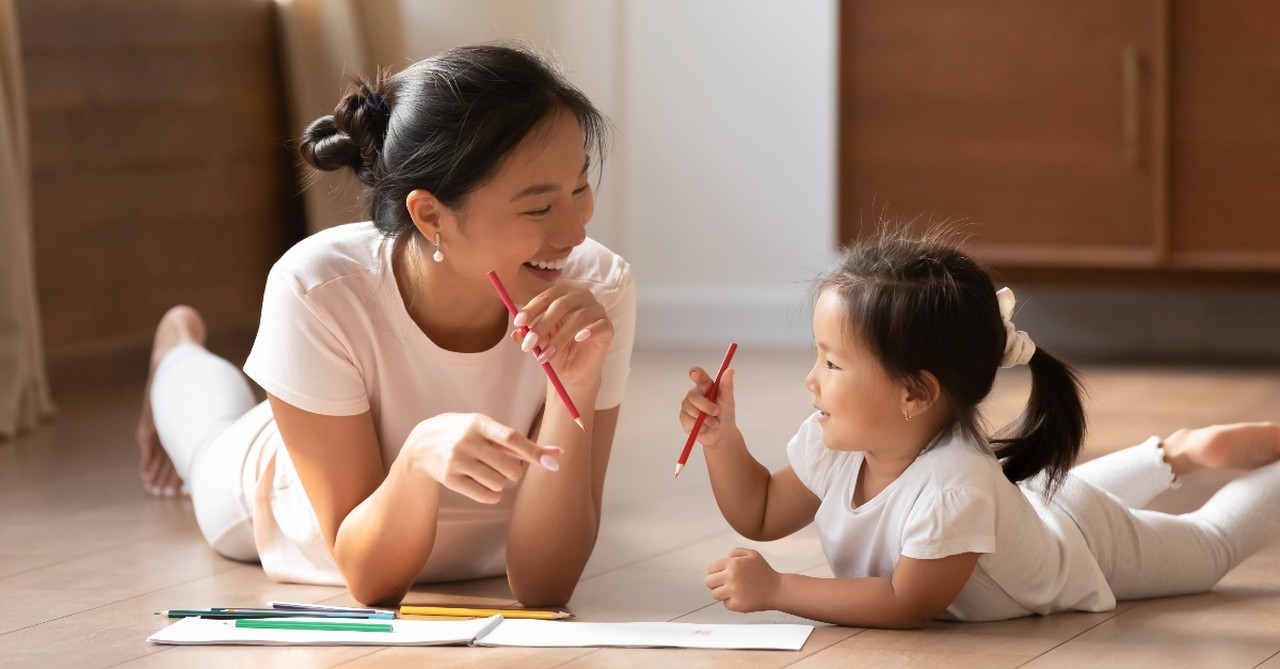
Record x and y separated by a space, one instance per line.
547 270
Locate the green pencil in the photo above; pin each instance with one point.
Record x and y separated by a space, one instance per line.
324 625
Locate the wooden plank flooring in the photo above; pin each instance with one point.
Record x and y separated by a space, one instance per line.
86 556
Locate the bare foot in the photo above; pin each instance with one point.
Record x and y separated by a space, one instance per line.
1233 446
179 325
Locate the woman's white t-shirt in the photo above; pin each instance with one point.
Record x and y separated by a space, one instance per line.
953 499
335 339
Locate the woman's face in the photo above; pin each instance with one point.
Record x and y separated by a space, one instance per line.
524 221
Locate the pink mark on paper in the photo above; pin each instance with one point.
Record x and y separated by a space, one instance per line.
702 632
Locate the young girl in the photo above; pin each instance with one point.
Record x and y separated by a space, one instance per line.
920 513
404 440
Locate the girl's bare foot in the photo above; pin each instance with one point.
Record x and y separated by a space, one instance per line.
179 325
1233 446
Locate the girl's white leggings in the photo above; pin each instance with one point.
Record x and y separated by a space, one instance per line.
208 421
1146 553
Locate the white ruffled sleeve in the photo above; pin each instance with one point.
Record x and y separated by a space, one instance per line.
949 522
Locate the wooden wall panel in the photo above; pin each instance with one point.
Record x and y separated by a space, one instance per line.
161 169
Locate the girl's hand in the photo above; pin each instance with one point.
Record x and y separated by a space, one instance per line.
743 581
720 418
474 455
572 329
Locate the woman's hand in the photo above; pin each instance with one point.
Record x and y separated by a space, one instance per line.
743 581
474 455
721 417
571 328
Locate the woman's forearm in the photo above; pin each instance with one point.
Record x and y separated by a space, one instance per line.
556 518
383 543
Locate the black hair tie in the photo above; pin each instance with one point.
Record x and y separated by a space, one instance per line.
375 104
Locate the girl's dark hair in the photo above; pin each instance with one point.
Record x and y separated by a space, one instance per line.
921 305
443 124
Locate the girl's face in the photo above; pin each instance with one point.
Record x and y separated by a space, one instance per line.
860 404
524 221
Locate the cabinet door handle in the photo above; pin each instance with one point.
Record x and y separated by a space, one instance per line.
1131 107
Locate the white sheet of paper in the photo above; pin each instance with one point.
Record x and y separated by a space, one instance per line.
205 631
551 633
497 631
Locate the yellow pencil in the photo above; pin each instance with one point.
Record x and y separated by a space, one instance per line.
462 612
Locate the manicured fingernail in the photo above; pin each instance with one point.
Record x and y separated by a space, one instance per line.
170 492
582 335
530 340
547 353
521 319
549 463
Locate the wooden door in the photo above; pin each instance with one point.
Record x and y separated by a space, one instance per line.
1225 134
1035 122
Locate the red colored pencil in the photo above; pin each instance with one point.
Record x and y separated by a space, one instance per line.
537 350
702 415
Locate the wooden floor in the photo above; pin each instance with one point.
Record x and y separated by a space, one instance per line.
86 557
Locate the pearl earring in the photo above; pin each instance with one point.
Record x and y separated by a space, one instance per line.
437 256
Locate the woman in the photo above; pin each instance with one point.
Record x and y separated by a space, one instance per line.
418 445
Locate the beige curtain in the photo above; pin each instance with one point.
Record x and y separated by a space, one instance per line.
24 385
325 42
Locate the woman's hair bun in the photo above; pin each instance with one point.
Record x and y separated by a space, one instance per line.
352 135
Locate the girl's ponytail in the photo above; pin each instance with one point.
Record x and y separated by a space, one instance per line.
1048 435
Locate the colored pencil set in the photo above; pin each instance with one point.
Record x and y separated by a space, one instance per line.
289 615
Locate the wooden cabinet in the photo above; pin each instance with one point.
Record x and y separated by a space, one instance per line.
1224 135
1127 134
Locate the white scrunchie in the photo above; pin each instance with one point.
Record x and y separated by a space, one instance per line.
1018 347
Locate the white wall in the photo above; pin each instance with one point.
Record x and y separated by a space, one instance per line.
729 126
721 186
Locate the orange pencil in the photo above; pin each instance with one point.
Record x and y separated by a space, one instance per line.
537 350
702 415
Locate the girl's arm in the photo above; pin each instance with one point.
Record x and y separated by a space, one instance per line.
919 591
379 520
758 505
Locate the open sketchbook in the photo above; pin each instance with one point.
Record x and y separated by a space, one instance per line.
498 631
